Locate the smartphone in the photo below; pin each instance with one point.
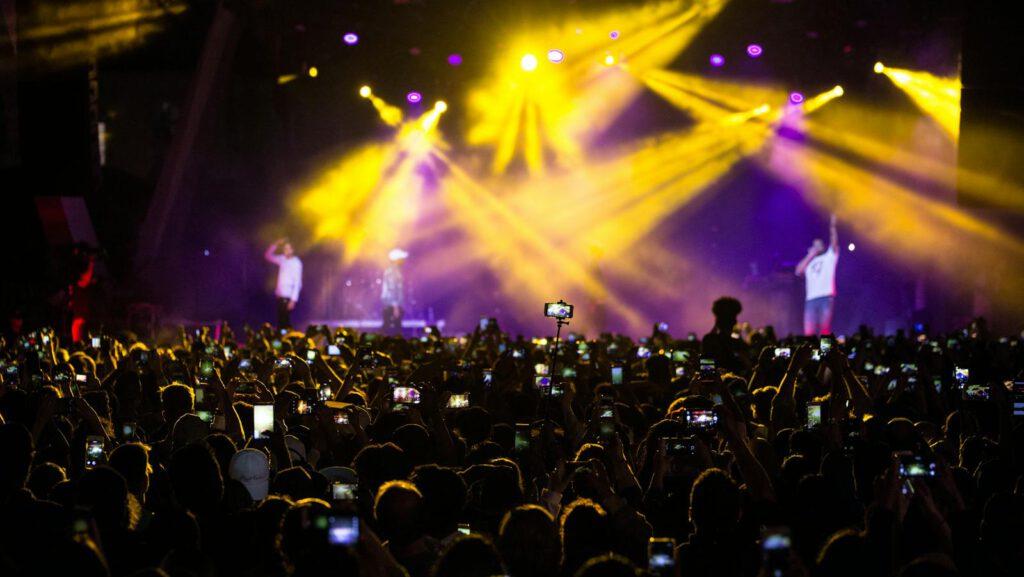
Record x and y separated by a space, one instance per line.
569 372
303 407
977 392
94 451
262 420
343 492
206 368
825 345
200 395
485 322
405 396
540 369
459 401
680 371
557 391
464 529
341 418
559 310
1017 399
282 364
96 342
908 368
244 365
522 437
916 465
617 375
310 356
205 416
815 415
701 419
708 368
128 430
542 383
775 550
661 556
488 377
680 356
643 353
783 352
961 376
333 350
680 446
342 530
81 378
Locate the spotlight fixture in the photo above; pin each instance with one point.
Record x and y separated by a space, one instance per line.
365 91
851 247
796 97
350 38
609 60
556 56
614 34
754 50
414 97
313 72
440 106
528 62
717 60
838 90
879 68
455 59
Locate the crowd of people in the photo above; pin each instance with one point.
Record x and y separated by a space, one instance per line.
331 452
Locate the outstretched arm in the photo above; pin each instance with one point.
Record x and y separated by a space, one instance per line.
833 235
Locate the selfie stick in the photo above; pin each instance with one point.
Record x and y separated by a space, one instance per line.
554 355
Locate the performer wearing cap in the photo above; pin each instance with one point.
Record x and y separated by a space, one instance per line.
392 293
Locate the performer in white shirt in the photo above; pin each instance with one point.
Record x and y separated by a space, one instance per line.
392 293
819 270
289 279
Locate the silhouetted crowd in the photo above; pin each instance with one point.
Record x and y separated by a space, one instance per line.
331 452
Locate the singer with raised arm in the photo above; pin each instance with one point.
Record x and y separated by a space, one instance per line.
818 268
289 279
392 293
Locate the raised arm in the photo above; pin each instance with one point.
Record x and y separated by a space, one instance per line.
802 265
270 255
833 235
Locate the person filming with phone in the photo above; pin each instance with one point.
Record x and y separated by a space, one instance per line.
818 267
289 279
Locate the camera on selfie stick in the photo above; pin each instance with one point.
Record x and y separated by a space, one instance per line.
561 312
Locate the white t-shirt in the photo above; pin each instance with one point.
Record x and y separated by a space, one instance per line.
821 275
289 276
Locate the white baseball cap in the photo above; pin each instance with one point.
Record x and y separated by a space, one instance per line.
251 468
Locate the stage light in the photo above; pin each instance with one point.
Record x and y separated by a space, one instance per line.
313 72
614 34
365 92
879 68
717 60
851 247
414 97
286 78
838 90
528 62
609 60
441 106
754 50
938 97
796 97
350 38
455 59
556 56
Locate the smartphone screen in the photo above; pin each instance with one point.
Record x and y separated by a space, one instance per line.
262 420
405 396
643 353
916 465
127 430
310 356
616 375
96 342
661 556
93 451
205 416
81 378
464 529
540 369
775 549
961 375
542 383
206 367
343 530
333 350
522 438
459 401
703 419
825 345
345 492
813 415
708 368
783 352
488 378
245 365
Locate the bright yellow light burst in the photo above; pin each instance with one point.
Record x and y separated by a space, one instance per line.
540 113
369 201
937 97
